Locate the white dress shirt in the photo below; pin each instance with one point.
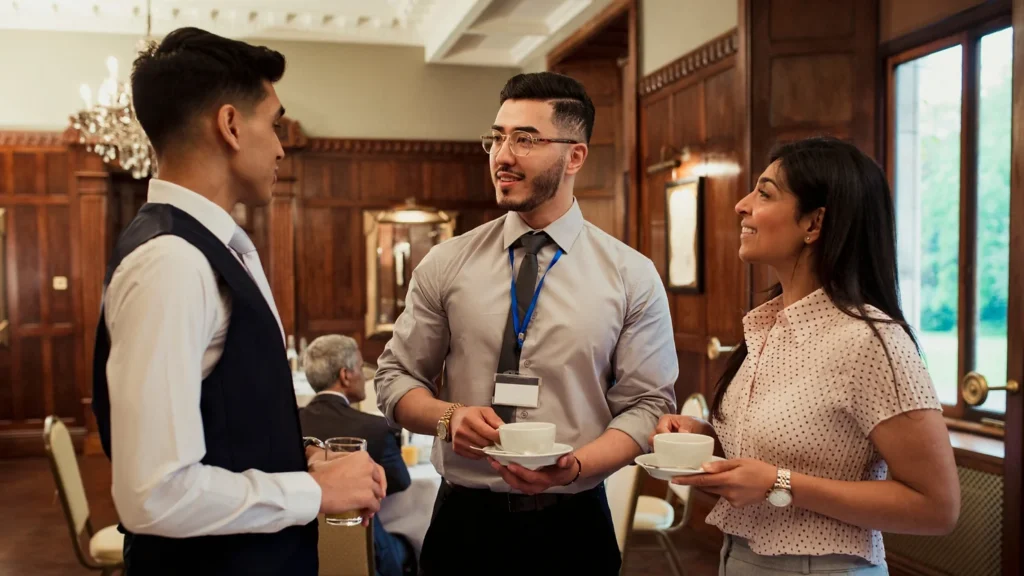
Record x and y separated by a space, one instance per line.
168 314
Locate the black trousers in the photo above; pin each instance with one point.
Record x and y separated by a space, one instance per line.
492 533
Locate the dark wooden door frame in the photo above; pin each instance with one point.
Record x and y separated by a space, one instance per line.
1014 439
631 81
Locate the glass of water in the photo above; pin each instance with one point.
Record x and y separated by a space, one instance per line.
338 448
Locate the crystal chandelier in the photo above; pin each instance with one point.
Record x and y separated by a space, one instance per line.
109 127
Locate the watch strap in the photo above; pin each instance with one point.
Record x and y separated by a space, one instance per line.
447 419
782 481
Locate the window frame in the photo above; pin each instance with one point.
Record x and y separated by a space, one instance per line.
968 38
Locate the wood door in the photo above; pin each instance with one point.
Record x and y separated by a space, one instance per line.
1013 503
40 362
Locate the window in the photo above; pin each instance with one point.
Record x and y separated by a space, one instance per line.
949 164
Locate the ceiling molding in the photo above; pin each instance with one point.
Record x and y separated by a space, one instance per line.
467 32
414 147
28 139
448 25
704 56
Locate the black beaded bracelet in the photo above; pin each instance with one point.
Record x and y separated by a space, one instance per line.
579 470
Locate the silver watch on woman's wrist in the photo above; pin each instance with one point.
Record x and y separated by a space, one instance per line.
781 494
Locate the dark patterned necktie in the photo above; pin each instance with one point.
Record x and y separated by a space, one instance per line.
526 283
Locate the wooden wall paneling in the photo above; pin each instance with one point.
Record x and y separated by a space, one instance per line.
336 181
25 172
630 202
655 120
690 114
689 122
40 369
802 83
280 242
92 184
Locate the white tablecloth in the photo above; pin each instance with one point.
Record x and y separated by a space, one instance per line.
303 391
408 512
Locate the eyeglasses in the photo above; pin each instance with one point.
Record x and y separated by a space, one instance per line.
521 143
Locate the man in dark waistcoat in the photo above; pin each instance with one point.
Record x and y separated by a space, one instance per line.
193 393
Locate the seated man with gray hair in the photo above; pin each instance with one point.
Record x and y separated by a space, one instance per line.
334 369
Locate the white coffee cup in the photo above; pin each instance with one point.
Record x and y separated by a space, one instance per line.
683 450
527 437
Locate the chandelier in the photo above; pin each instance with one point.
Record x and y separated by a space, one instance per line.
109 127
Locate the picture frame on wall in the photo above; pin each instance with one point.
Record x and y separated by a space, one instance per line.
684 235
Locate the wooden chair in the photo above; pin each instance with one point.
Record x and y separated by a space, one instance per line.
345 550
105 547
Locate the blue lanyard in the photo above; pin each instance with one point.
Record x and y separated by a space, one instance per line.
521 328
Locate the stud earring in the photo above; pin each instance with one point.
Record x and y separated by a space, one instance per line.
807 239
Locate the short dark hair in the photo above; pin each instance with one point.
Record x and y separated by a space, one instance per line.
192 70
573 108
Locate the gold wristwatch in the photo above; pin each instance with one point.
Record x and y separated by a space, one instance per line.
444 431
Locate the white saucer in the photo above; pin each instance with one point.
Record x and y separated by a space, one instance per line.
528 461
649 463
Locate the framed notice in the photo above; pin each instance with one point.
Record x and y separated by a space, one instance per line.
684 232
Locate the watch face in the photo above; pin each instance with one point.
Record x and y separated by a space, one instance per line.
442 430
780 498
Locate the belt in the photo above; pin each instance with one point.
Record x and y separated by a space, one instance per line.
515 503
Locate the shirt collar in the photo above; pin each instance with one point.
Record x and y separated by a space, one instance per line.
212 217
760 320
334 393
563 231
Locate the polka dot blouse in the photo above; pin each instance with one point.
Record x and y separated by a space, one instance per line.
814 384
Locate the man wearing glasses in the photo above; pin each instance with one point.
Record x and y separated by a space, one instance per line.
537 316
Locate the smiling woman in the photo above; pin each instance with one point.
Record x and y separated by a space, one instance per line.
833 341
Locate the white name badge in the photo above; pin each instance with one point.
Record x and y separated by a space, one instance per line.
516 390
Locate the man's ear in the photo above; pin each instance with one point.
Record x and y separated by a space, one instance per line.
228 118
577 156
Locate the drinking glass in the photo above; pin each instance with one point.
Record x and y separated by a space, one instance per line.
338 448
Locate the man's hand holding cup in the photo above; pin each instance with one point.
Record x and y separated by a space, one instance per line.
474 427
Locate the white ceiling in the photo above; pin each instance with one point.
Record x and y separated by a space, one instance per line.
469 32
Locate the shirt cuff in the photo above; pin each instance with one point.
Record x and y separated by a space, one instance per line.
637 424
302 495
390 393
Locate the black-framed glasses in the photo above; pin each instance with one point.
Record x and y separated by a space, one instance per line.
521 143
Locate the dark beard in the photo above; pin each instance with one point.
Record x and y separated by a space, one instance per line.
542 189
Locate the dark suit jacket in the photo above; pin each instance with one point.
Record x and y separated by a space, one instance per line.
328 416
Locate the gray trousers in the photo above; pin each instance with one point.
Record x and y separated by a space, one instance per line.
739 560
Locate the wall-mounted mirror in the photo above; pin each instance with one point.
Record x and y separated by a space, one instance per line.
396 242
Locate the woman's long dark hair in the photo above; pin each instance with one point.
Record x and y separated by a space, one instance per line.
855 256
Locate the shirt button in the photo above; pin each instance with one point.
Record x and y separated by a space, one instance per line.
523 414
526 363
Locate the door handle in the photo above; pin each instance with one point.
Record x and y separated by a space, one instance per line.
975 388
715 348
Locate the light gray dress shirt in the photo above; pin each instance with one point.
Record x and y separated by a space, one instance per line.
601 338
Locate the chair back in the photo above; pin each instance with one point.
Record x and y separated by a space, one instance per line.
345 550
61 452
695 406
623 488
